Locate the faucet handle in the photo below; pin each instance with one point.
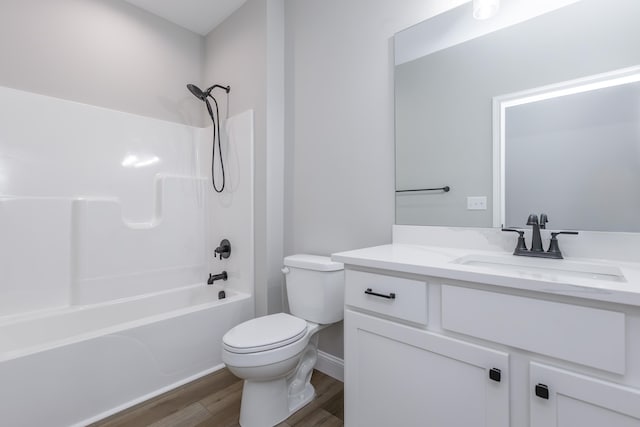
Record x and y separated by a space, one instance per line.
555 233
513 230
543 221
553 244
224 249
521 245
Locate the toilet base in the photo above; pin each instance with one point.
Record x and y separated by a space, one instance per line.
302 399
267 403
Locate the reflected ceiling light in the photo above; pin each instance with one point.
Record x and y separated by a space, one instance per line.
146 162
129 161
602 81
133 161
485 9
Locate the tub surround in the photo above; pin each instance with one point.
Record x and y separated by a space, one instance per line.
99 204
86 193
111 255
126 268
483 336
109 226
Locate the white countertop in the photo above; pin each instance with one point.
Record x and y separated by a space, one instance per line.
435 261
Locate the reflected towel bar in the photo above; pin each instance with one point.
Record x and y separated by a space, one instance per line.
445 189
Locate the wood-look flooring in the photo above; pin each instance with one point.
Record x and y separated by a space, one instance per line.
214 401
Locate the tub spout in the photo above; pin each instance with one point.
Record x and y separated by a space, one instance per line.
214 277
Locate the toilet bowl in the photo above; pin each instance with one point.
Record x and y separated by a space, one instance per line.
276 374
275 354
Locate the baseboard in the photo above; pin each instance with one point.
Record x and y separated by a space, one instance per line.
330 365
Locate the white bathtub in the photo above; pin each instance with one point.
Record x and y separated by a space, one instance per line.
77 365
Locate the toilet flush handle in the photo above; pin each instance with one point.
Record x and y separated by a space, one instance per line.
285 270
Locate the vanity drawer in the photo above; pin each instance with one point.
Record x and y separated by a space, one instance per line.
584 335
391 296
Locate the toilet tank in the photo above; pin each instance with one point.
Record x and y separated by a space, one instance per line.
315 288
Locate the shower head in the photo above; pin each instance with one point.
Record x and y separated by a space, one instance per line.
202 95
197 92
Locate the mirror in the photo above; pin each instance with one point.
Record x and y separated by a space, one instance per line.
583 136
444 106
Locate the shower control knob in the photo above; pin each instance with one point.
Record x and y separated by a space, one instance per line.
224 250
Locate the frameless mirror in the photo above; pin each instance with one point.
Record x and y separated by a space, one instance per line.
444 114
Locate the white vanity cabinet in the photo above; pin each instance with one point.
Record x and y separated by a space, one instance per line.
427 351
399 374
562 398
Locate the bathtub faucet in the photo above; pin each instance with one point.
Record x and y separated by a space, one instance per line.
214 277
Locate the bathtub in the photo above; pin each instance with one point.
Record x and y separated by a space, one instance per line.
74 366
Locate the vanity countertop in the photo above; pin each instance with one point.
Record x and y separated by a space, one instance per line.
446 263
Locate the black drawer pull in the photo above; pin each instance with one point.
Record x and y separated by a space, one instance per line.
542 391
375 294
495 374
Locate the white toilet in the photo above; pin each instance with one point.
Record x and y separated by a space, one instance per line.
275 354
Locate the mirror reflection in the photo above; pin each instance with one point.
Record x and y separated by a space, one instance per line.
444 116
584 136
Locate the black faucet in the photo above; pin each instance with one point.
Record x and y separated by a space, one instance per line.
214 277
536 239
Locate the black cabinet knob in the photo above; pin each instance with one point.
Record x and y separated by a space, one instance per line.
542 391
495 374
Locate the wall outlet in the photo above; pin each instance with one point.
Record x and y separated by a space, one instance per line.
477 203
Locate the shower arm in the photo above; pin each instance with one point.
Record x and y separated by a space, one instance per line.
225 88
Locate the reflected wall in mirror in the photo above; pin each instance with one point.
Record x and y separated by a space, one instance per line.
584 136
444 102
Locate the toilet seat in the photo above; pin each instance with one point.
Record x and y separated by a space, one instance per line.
264 333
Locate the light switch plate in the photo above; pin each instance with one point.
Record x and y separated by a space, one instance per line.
477 203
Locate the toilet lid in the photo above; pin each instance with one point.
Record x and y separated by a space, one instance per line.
264 333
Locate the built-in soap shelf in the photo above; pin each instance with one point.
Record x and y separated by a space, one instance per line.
191 188
60 251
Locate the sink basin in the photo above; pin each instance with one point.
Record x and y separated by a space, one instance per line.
553 269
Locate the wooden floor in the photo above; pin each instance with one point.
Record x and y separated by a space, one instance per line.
214 400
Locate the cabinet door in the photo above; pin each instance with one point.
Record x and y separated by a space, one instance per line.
561 398
396 375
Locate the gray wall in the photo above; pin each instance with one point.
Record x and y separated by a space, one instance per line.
245 52
339 153
101 52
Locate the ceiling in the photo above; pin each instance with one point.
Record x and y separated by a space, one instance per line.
199 16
